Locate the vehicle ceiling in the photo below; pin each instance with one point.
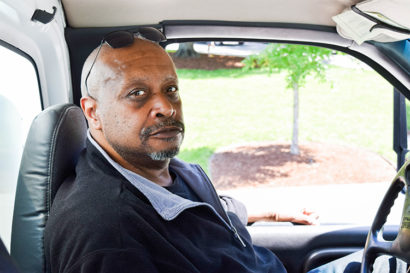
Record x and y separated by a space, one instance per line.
104 13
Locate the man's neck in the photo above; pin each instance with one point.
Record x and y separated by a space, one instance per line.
153 170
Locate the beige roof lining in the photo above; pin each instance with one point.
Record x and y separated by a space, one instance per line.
104 13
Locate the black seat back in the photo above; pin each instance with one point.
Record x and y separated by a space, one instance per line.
55 140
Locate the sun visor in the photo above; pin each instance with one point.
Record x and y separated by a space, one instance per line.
377 20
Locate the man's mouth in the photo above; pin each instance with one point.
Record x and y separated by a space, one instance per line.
166 132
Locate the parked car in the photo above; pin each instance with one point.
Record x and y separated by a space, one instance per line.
47 42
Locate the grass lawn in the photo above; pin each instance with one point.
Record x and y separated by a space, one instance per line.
225 107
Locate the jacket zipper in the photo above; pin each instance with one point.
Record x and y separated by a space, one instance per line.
230 225
235 232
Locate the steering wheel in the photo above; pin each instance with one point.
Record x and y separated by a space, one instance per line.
375 244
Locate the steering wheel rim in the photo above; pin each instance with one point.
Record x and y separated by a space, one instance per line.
375 244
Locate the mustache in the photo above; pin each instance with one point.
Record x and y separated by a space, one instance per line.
147 131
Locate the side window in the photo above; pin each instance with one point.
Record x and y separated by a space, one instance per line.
19 104
239 116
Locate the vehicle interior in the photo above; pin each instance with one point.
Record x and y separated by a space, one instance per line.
55 37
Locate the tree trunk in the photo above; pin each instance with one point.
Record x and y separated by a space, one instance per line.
186 50
294 148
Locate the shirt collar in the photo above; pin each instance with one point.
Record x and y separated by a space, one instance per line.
165 203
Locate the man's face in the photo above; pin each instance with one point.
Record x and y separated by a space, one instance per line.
139 105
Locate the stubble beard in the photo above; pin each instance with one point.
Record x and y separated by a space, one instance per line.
135 156
144 155
164 154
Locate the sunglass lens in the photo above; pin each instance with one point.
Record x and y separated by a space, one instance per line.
152 34
119 39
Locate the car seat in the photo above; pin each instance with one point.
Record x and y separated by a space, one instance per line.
54 142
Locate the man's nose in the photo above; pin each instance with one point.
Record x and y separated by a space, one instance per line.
162 107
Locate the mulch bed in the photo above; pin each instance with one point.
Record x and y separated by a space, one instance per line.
271 164
208 62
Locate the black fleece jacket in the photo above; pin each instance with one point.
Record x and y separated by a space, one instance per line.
99 222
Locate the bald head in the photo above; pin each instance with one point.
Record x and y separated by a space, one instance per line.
111 62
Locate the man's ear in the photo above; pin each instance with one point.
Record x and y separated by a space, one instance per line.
89 106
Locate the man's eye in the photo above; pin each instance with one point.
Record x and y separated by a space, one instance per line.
137 93
172 89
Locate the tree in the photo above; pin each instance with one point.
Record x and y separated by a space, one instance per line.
186 50
298 61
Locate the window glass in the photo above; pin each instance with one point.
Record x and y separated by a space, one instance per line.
239 127
19 103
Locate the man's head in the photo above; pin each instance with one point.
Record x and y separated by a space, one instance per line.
133 107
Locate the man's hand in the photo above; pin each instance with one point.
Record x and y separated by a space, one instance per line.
304 216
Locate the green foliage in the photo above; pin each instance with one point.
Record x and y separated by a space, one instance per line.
298 61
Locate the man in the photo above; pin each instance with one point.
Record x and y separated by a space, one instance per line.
131 207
